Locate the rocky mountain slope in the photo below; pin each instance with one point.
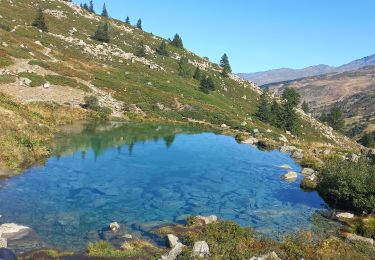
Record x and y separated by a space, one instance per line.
353 91
57 69
286 74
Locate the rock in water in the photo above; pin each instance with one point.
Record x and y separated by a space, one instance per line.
12 231
290 176
286 166
172 240
114 226
201 250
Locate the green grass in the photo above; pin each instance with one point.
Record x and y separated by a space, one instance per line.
6 79
105 249
5 61
36 80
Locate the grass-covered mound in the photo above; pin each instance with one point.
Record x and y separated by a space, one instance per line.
348 185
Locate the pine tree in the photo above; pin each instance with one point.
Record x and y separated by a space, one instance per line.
224 63
104 12
276 114
207 85
263 112
323 117
141 51
162 49
305 107
39 21
177 41
127 20
101 33
291 119
291 96
91 7
368 140
81 5
86 7
197 74
335 118
184 68
139 24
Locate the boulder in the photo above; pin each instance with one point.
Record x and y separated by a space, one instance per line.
307 172
208 220
269 256
255 131
346 215
201 250
355 238
172 240
283 139
174 253
288 149
224 126
46 85
114 226
290 176
12 231
251 140
25 82
297 155
354 158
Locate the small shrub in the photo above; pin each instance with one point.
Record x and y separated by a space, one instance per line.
349 185
39 63
5 27
91 102
207 85
308 185
36 80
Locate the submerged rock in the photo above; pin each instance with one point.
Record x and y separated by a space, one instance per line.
286 166
114 226
13 231
201 250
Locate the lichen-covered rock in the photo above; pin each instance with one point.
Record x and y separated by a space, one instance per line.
297 155
208 220
356 238
174 252
172 240
13 231
114 226
201 250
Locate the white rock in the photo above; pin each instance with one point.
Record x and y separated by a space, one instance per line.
297 155
251 140
201 249
269 131
25 82
224 126
243 123
345 215
256 131
13 231
307 172
172 240
270 256
282 138
46 85
208 220
38 43
5 44
114 226
174 253
290 176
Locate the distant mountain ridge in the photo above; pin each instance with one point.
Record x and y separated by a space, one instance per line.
285 74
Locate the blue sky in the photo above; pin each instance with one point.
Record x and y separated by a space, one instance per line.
260 34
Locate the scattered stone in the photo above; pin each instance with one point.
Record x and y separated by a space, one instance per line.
5 44
127 236
208 220
201 250
345 215
290 176
269 131
47 85
288 149
114 226
174 253
172 240
38 43
224 126
354 158
355 238
269 256
282 138
25 82
255 131
288 133
243 123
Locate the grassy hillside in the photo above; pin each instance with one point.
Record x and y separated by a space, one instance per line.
64 65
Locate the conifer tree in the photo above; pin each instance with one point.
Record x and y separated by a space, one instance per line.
305 107
177 41
335 118
263 112
101 33
184 68
139 24
141 51
197 74
39 21
91 7
224 63
162 49
276 114
291 96
86 7
368 140
127 20
104 11
207 84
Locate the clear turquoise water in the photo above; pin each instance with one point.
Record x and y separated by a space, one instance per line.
145 176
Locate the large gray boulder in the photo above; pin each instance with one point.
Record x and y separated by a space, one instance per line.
208 220
201 250
356 238
172 240
12 231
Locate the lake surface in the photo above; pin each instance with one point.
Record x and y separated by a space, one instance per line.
144 175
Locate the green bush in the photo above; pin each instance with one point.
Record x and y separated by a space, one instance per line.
349 185
91 102
36 80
